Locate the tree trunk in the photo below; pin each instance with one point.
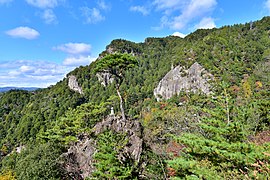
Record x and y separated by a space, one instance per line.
121 103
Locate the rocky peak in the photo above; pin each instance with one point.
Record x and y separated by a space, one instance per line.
193 79
132 129
73 84
78 161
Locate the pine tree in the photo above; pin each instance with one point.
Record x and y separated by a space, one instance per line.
220 149
108 165
116 65
75 122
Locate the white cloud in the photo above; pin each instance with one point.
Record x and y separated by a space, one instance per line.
102 5
92 16
48 14
177 14
27 73
23 32
140 9
13 73
195 9
43 3
172 4
179 34
49 17
78 61
78 54
5 1
74 48
27 69
206 23
38 73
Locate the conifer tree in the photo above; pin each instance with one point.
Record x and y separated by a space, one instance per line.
108 165
220 148
116 65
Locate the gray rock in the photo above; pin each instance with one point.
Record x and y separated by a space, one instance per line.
73 84
132 129
105 78
194 79
79 161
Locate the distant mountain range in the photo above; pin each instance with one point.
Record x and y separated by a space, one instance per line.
4 89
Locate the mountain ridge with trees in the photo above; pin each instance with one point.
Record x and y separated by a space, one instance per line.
190 135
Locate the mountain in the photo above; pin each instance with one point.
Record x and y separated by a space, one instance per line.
4 89
196 107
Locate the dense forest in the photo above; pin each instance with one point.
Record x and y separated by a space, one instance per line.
223 135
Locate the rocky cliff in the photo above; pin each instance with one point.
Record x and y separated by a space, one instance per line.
73 84
78 161
193 79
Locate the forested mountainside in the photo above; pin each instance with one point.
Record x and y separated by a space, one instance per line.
69 131
4 89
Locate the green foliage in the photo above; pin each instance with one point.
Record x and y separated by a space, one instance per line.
108 164
154 165
116 64
220 148
75 122
7 175
230 53
12 104
24 114
36 162
124 46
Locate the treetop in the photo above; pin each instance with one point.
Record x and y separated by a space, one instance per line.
116 63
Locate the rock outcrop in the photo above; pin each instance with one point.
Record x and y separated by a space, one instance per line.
73 84
194 79
132 129
78 161
105 78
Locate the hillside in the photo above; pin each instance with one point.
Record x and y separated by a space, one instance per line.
5 89
191 134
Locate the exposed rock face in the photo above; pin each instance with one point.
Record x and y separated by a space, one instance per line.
194 79
109 50
131 128
78 161
73 84
105 78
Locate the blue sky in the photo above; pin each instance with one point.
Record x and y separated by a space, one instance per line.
42 40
